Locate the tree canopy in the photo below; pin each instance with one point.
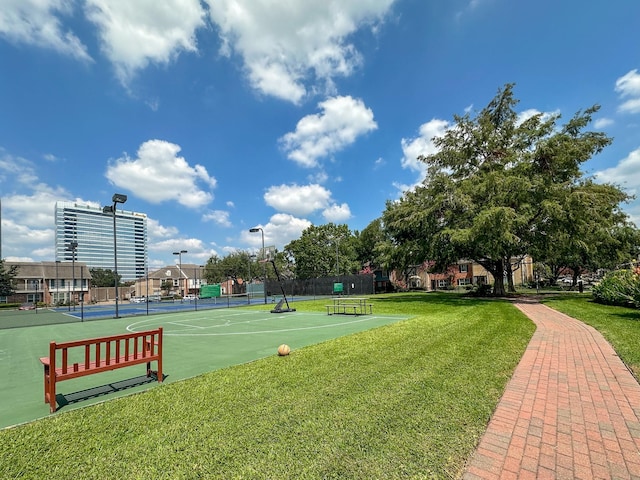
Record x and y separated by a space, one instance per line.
235 265
7 279
323 251
369 243
101 277
500 187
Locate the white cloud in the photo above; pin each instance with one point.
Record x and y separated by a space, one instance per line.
341 122
19 170
220 217
297 200
412 148
35 208
284 44
37 22
28 223
156 231
318 177
626 174
197 251
158 174
337 213
135 33
532 112
628 86
18 234
281 229
602 123
27 210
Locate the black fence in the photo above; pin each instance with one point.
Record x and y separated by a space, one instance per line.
351 285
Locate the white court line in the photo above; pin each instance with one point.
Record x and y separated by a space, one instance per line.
359 319
185 325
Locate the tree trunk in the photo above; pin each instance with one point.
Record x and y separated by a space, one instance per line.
577 271
498 278
511 288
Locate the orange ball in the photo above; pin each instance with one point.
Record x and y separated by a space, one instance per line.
284 350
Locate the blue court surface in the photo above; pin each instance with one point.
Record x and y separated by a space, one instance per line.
127 309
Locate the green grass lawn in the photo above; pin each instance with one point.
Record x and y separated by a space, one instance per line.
619 325
407 400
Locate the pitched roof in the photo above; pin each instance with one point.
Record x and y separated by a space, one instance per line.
45 270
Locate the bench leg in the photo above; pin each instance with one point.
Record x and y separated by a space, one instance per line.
160 377
46 384
52 393
49 389
158 373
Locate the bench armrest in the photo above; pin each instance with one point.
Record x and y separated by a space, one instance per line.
45 360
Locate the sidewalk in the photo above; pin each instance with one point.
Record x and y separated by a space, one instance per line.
571 410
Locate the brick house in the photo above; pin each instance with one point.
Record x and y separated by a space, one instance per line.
49 282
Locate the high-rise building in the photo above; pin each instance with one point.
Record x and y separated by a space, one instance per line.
88 232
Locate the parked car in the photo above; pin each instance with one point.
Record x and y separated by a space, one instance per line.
189 297
27 306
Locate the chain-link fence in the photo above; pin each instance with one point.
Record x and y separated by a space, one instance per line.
351 285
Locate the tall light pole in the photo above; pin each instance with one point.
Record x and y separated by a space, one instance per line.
117 198
337 264
55 304
264 264
180 263
72 248
81 293
251 257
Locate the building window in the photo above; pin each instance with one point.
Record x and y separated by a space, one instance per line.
442 283
464 281
464 268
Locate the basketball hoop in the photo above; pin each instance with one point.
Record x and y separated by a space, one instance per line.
267 254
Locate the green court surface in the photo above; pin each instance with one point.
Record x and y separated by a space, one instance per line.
195 342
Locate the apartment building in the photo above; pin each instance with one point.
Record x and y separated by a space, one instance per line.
85 233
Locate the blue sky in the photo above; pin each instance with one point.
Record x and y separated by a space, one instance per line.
215 116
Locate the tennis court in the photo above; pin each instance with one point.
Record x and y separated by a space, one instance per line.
125 309
195 342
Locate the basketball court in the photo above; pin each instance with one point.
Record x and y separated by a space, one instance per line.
195 342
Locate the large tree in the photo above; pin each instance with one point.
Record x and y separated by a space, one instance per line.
591 232
323 251
494 190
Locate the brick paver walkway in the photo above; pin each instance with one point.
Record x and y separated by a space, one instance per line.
571 410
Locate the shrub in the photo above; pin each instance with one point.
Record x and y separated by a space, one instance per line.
9 306
621 287
482 290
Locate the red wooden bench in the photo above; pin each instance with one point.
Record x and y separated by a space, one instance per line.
94 355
